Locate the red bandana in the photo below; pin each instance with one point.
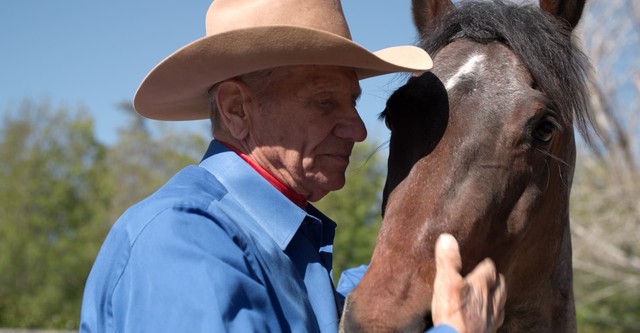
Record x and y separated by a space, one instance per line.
289 193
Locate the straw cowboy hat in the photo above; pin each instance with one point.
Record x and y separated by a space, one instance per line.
243 36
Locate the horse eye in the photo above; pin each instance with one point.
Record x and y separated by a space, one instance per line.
545 129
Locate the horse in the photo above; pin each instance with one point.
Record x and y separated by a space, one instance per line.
481 147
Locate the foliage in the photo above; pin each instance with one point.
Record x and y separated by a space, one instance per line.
52 201
60 191
140 161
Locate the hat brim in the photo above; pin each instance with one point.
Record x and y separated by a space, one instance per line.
177 88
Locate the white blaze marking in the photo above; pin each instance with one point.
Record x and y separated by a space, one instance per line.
467 68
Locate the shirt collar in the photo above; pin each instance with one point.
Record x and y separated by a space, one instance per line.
278 216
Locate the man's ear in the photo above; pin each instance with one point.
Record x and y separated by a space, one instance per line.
231 97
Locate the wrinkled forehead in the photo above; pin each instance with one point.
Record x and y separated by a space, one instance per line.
318 79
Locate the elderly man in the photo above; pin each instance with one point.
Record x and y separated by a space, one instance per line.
233 244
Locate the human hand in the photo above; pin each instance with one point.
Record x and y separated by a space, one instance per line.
473 304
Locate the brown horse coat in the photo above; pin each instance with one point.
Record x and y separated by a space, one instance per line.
483 148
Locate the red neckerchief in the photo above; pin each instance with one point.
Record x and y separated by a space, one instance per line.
289 193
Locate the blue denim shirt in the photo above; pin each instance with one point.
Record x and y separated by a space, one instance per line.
216 249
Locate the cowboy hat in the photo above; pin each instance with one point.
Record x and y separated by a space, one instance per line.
244 36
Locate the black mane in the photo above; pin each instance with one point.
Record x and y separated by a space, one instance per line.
542 42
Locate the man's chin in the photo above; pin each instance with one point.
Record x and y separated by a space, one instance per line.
325 187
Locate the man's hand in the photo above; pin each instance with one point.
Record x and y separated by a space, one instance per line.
473 304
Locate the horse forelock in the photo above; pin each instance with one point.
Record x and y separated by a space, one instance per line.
543 43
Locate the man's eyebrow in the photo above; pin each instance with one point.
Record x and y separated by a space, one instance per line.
334 89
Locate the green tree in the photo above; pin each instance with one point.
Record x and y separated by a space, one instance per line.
356 209
145 156
60 191
52 212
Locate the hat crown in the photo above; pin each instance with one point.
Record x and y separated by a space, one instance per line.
324 15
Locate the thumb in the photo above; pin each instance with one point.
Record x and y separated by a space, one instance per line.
448 285
447 254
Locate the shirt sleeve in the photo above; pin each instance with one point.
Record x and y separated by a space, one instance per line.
188 273
350 278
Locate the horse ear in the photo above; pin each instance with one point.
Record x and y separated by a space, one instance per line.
425 11
568 10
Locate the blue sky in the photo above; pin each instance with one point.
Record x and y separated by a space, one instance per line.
95 53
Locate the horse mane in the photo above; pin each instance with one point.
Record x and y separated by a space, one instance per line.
543 43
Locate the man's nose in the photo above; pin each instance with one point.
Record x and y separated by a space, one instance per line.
351 127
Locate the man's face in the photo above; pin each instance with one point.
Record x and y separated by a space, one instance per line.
304 125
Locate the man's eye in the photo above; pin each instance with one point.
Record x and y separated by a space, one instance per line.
325 103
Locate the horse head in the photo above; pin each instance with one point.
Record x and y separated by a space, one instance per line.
482 147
